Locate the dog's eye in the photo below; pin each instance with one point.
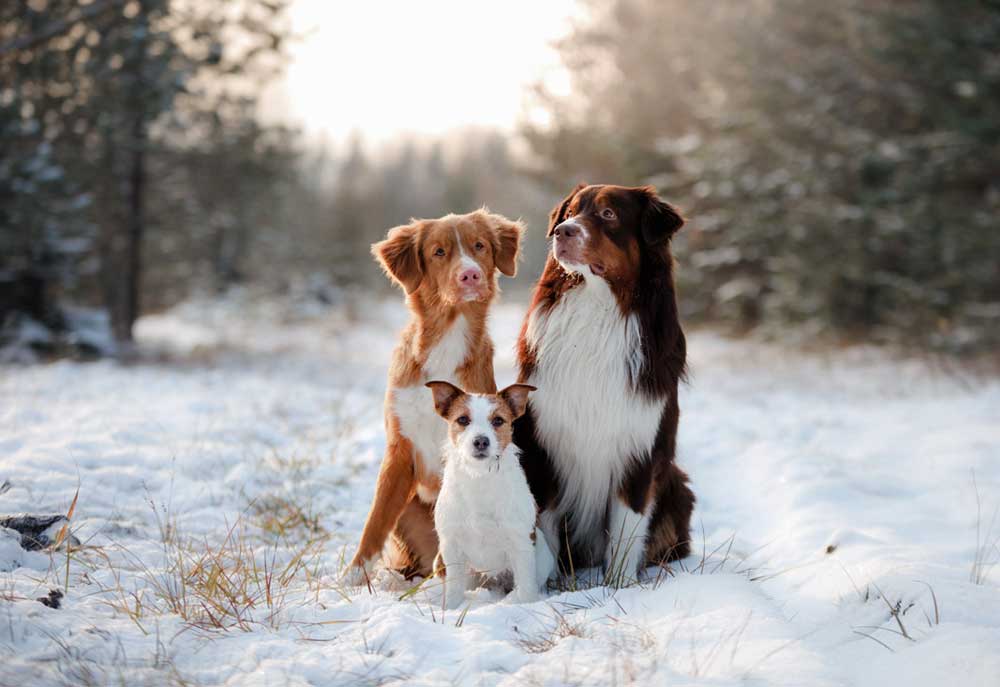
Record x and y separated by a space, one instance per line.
439 252
480 245
608 213
463 420
497 422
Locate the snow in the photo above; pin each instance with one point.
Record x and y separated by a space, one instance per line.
831 487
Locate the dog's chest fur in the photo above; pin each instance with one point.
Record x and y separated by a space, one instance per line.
414 409
588 416
486 516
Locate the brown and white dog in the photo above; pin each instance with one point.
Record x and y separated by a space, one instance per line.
485 515
603 344
448 269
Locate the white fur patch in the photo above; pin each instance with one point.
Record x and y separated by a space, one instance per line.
590 420
458 243
414 405
480 409
626 545
444 359
466 263
420 423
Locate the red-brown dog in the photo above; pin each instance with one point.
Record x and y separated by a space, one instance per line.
448 269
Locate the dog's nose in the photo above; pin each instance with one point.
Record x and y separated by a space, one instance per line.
568 229
481 443
470 276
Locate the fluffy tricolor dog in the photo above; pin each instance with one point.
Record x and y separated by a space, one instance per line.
603 343
448 269
486 517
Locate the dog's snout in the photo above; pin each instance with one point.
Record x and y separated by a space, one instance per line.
481 443
470 276
567 229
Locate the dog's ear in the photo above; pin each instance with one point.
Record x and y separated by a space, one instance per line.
506 242
445 394
660 220
516 396
558 213
399 255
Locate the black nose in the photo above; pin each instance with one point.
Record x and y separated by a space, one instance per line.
481 443
567 229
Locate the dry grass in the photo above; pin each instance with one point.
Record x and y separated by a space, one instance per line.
615 576
559 627
76 668
233 583
283 517
250 575
895 623
987 552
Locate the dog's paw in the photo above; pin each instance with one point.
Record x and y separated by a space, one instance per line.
523 595
389 580
358 574
453 601
454 596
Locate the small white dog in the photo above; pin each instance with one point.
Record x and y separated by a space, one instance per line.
485 516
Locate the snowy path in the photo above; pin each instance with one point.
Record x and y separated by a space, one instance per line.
836 484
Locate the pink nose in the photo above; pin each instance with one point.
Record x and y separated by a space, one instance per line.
470 276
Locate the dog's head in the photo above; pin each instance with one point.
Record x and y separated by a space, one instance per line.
480 425
453 258
602 231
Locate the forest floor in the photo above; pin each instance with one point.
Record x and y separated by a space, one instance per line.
846 531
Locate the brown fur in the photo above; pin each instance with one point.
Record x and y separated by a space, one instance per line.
410 257
451 403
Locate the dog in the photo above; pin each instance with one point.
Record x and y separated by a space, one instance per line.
486 517
447 267
603 343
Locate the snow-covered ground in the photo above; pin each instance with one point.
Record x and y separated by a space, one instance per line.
222 481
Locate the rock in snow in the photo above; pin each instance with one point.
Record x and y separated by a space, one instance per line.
37 531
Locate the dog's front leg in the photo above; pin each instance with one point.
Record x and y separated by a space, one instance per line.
523 565
395 486
548 524
456 576
626 547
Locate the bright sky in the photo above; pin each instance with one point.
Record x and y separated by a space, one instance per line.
423 67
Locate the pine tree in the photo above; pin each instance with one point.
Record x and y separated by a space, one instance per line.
839 160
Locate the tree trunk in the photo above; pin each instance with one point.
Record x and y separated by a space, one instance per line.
135 223
132 277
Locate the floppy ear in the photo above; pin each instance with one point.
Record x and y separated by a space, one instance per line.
516 396
445 394
558 213
506 243
399 256
660 220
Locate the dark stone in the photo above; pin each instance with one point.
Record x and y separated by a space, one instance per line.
33 527
53 600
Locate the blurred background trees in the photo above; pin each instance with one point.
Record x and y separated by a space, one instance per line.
839 162
111 106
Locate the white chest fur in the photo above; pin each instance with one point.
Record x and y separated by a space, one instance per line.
589 419
488 517
414 406
448 354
